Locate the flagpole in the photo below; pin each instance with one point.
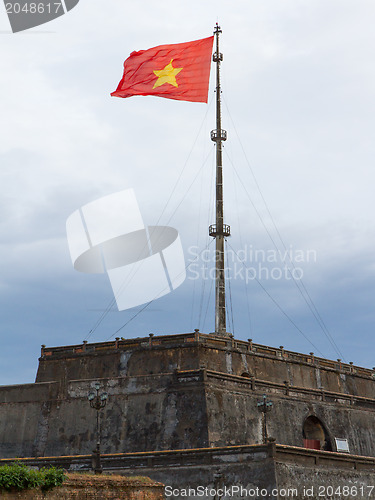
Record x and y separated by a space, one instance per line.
219 230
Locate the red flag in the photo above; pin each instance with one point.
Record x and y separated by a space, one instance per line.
180 71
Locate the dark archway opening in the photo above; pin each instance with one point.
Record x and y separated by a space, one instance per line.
315 435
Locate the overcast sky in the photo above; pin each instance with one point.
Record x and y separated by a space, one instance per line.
299 95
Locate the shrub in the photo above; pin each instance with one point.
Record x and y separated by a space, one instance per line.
52 477
18 476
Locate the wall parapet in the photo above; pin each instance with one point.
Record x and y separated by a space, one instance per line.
296 455
210 340
202 456
287 389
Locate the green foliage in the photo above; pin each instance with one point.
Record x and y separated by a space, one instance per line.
18 476
52 477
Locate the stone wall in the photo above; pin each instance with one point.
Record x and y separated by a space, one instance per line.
180 392
316 475
233 414
256 472
164 354
275 471
315 483
85 486
24 417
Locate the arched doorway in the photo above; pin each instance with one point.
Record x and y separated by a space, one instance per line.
315 435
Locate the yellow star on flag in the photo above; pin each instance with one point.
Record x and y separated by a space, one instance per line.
167 75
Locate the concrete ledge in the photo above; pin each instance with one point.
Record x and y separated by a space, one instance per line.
203 456
294 454
208 340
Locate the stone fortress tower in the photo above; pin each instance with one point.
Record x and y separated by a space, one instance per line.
199 409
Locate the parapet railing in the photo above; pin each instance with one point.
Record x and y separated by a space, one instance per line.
203 456
288 390
154 341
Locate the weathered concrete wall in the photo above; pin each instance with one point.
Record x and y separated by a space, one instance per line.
274 471
24 416
129 359
176 411
233 417
297 370
84 486
143 413
165 354
315 483
183 391
205 481
212 468
256 472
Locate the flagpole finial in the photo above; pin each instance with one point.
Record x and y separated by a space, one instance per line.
217 29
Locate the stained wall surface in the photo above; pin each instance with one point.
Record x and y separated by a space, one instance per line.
184 392
237 472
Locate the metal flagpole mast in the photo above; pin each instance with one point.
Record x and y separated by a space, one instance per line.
219 230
